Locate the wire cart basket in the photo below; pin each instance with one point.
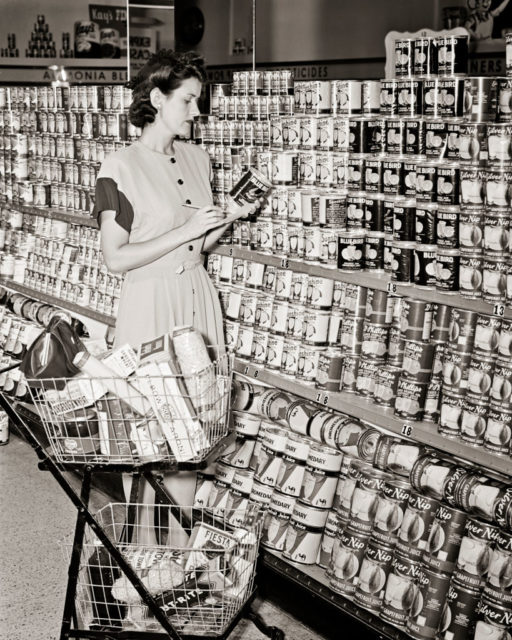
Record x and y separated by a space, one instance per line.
108 421
200 578
187 573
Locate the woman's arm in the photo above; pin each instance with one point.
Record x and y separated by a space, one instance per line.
121 256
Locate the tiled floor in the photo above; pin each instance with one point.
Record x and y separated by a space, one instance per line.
34 514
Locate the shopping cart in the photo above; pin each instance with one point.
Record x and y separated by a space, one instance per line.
117 422
145 426
200 578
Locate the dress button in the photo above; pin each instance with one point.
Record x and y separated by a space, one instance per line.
191 247
180 181
187 201
173 160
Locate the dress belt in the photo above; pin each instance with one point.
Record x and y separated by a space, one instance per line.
187 265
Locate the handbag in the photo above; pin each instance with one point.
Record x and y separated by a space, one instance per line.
51 355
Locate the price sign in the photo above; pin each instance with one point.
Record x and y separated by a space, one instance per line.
322 398
499 310
392 288
250 371
407 430
285 263
230 252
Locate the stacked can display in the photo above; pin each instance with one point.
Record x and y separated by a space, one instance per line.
409 175
53 140
58 258
403 532
475 399
426 361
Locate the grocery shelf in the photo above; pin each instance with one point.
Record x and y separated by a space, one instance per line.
313 579
58 302
368 279
363 278
364 409
82 219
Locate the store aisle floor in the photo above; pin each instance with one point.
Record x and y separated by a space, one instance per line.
35 514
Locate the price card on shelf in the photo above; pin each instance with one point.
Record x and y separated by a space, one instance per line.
285 263
499 310
251 370
407 430
392 288
322 397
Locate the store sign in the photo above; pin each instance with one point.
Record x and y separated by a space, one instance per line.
75 76
326 71
487 66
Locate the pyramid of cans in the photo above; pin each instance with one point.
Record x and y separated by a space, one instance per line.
408 175
411 536
423 360
53 140
57 258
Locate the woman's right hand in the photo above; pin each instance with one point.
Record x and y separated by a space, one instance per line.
205 219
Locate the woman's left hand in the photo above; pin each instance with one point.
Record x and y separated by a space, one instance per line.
245 213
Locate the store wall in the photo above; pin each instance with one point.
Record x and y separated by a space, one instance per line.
307 30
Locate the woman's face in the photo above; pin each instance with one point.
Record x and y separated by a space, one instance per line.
179 108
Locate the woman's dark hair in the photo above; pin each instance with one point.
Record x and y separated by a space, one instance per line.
165 70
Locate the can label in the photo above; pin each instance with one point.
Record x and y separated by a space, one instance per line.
328 540
390 512
304 534
425 223
414 530
415 137
394 138
426 611
398 599
373 574
444 539
458 613
348 553
388 97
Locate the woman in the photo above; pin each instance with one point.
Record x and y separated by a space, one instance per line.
155 211
144 198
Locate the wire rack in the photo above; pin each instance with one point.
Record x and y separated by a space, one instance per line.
200 578
152 418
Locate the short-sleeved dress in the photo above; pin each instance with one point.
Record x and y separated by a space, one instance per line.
148 189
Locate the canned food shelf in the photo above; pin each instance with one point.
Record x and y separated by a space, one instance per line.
55 214
379 281
359 407
43 297
314 579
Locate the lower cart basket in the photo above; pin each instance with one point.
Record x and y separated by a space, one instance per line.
201 576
